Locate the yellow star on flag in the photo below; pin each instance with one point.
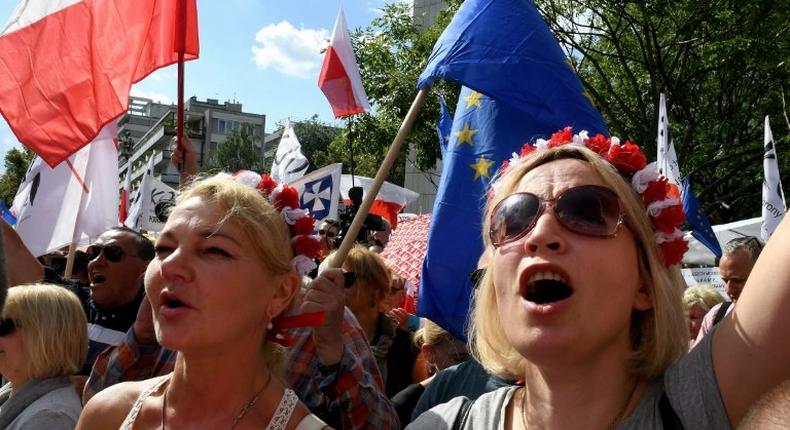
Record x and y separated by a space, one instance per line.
473 99
482 167
465 135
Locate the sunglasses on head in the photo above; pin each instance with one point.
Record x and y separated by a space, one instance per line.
113 253
330 234
589 210
7 326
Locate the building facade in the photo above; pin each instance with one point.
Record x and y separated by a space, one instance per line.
148 128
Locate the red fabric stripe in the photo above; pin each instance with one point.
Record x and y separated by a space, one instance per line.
387 210
336 86
66 76
123 211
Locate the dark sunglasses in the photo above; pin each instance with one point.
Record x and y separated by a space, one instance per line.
113 253
589 210
7 326
329 234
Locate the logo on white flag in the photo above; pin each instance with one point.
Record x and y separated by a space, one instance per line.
289 162
317 196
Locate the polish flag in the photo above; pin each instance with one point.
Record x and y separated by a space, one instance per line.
389 202
339 79
123 209
68 65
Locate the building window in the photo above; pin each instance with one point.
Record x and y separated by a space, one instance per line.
222 126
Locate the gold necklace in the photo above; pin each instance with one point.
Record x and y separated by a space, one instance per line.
241 414
611 426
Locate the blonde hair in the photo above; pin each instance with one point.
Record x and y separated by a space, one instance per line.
702 295
52 323
431 334
659 336
260 221
370 269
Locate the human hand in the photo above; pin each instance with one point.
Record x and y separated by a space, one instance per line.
184 156
327 293
143 326
400 316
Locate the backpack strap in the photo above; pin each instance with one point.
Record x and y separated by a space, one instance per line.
669 419
722 312
463 414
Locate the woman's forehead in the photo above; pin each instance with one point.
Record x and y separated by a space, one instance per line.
548 180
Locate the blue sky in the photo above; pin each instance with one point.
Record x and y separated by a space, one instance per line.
263 53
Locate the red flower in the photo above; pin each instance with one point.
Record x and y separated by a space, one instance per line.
655 191
599 144
308 246
561 137
669 218
627 158
288 197
505 166
673 191
304 225
672 252
527 149
266 185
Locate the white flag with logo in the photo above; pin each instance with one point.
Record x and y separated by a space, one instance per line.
157 201
289 162
774 206
136 214
74 202
666 158
319 191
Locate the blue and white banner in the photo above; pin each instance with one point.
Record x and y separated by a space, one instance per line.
319 191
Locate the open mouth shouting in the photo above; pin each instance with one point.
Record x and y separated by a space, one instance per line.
171 304
97 278
545 288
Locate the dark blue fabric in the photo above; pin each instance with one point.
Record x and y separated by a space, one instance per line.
697 220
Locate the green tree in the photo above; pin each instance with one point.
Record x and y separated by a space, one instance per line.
392 52
16 165
238 151
723 66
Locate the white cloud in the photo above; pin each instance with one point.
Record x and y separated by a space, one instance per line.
288 50
166 74
157 97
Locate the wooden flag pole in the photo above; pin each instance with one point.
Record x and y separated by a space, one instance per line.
181 34
70 260
381 176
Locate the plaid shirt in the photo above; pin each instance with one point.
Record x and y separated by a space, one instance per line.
349 395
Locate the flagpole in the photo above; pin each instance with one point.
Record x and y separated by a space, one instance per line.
181 34
350 152
381 176
70 260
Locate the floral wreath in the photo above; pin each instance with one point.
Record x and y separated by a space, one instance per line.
660 198
304 244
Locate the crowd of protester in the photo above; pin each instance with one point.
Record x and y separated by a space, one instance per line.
577 321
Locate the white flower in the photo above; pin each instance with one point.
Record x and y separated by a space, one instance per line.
542 144
655 208
579 139
303 265
662 237
248 177
291 215
643 177
615 140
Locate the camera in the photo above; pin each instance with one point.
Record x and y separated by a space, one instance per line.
347 214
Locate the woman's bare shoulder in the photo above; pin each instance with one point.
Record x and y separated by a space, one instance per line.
108 408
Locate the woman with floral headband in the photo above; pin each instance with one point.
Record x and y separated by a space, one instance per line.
224 271
583 301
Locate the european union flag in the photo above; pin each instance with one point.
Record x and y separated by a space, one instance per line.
697 220
6 213
503 48
444 125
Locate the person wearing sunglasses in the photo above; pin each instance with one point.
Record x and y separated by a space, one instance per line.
737 261
327 233
582 299
43 340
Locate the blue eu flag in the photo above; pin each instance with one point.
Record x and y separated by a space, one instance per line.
444 125
697 220
6 214
503 49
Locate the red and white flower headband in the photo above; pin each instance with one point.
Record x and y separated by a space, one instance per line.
660 197
300 223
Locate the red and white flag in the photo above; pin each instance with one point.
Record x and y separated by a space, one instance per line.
389 202
74 202
123 207
68 65
339 79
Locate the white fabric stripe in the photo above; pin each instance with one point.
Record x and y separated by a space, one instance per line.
341 44
30 11
101 334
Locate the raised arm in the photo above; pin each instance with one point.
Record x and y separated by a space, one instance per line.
21 266
750 349
184 157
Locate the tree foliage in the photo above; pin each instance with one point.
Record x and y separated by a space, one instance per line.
16 165
392 52
238 151
723 66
